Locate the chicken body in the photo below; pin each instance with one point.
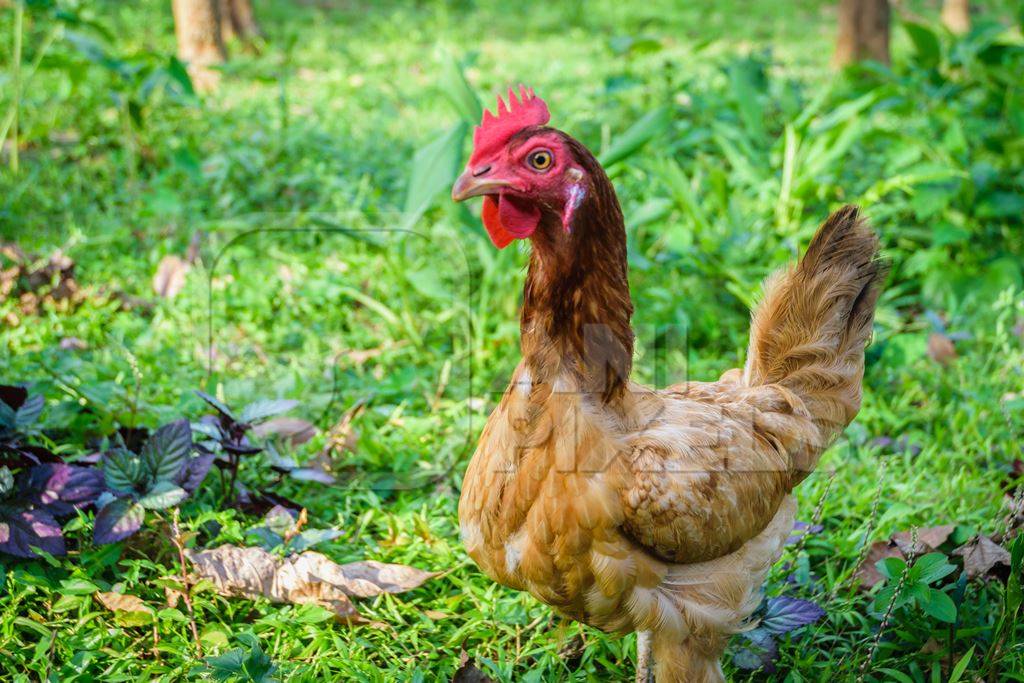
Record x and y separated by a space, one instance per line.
658 511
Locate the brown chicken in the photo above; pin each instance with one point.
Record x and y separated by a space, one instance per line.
634 509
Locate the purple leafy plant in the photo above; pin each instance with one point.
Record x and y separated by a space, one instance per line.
227 440
32 502
163 473
778 616
36 488
19 412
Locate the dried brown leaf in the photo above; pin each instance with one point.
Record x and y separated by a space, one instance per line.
170 275
129 610
867 572
941 349
981 555
308 577
928 539
295 431
73 344
369 578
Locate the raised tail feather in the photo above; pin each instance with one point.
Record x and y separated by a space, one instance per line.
809 332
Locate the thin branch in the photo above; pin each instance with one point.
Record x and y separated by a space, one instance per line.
179 542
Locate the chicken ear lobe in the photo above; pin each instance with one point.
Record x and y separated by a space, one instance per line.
574 196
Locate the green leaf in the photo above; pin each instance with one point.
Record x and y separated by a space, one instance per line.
163 495
432 171
651 125
1014 593
176 70
458 91
746 77
930 568
896 675
891 567
940 606
926 44
958 671
166 451
78 587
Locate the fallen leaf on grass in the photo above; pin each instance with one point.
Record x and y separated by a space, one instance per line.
867 572
293 430
928 539
169 279
129 610
941 349
900 546
305 578
468 673
73 344
981 555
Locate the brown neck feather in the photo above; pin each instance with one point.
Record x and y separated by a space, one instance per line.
576 304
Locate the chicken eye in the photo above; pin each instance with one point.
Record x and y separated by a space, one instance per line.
540 160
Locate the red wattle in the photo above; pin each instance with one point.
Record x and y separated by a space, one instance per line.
507 218
498 234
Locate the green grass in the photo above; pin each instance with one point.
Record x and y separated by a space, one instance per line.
295 173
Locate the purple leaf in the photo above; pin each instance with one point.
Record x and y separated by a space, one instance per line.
118 520
195 469
61 489
20 530
802 529
216 405
785 614
16 456
13 396
166 452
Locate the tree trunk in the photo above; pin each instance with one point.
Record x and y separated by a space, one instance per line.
197 24
956 16
238 20
863 31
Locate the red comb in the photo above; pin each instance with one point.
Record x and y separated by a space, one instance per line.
494 131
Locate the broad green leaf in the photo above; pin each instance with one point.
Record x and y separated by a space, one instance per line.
78 587
926 44
458 91
746 77
891 567
940 606
167 450
930 568
650 126
163 495
432 171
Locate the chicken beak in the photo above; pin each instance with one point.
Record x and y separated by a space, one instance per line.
469 185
